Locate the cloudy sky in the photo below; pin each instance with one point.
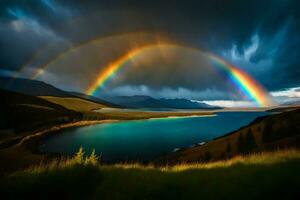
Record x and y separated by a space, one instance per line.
72 42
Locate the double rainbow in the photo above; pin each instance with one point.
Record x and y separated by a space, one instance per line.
242 81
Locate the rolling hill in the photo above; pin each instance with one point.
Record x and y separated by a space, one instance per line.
39 88
95 99
74 103
21 112
263 134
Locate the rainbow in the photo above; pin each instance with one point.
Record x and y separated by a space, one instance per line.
246 84
113 68
242 81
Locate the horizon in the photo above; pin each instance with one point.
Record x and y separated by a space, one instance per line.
233 59
219 103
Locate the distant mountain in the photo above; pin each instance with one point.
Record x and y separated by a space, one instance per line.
94 99
149 102
288 106
293 103
39 88
31 87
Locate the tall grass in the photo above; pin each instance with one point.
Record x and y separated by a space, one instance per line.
272 175
80 159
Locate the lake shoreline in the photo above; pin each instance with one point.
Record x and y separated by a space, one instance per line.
83 123
184 128
178 117
26 152
28 146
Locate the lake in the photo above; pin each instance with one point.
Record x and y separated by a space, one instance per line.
145 139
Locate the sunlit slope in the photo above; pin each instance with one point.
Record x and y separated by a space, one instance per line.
259 176
20 112
74 103
265 133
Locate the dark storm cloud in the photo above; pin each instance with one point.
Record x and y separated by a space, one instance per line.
261 37
25 28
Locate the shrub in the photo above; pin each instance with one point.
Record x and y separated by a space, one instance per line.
93 159
79 157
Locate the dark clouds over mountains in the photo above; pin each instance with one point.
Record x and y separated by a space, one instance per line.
261 37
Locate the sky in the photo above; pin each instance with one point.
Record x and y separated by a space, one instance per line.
71 42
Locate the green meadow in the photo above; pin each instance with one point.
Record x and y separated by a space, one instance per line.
273 175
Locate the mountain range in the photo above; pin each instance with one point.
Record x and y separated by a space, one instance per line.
140 101
39 88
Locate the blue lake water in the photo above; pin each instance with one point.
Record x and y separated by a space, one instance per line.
145 139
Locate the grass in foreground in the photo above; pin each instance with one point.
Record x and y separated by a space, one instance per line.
259 176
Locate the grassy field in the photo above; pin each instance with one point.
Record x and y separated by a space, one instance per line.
137 115
74 103
88 109
259 176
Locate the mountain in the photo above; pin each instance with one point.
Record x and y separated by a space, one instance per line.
293 103
31 87
286 107
138 101
39 88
